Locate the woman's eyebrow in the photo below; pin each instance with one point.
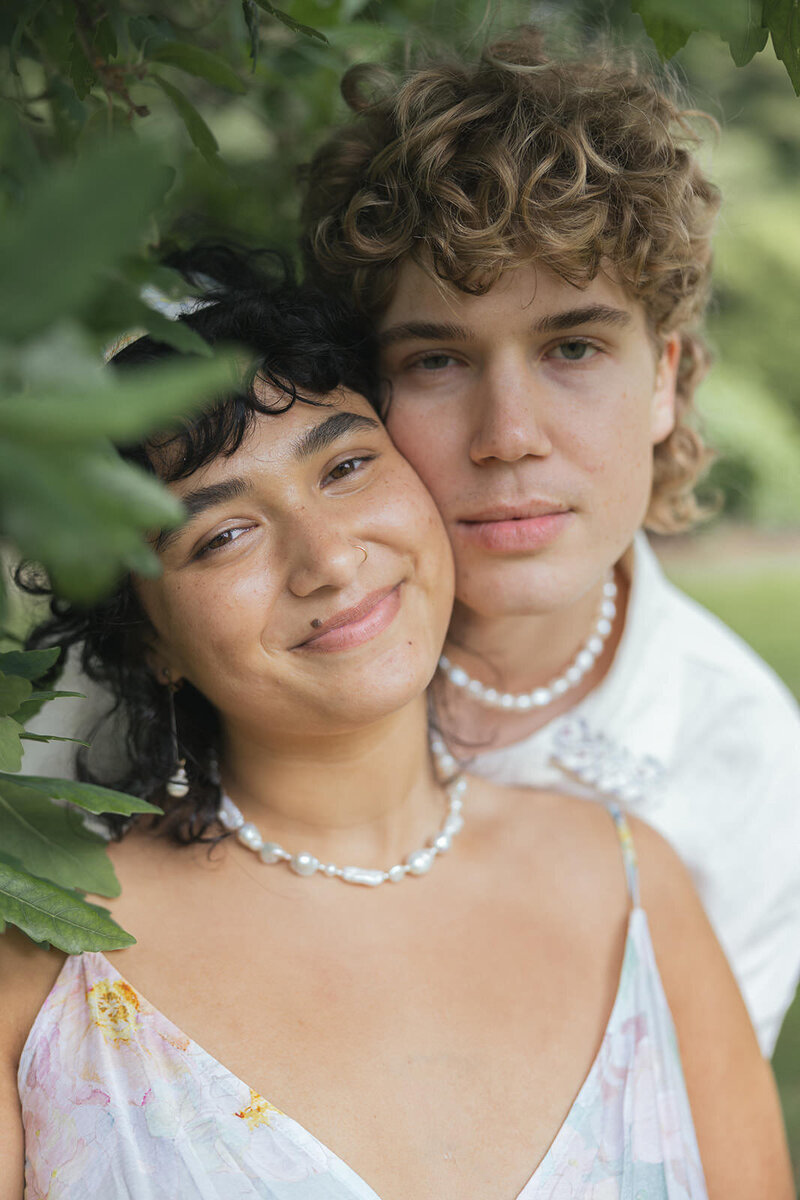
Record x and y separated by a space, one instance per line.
330 430
198 501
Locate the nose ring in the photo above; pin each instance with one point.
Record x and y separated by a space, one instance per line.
363 551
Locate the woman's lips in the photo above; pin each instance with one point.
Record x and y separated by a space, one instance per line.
519 534
360 629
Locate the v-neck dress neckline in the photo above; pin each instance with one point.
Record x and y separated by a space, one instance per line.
118 1102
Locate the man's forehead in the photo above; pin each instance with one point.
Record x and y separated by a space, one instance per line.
528 288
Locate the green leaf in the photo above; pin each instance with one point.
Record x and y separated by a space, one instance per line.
196 61
290 22
124 409
198 131
251 20
77 222
30 664
669 33
88 796
10 745
83 515
13 691
48 913
50 737
782 17
52 842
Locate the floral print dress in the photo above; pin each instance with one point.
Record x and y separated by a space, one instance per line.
118 1103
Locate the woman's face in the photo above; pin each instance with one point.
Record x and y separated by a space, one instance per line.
267 603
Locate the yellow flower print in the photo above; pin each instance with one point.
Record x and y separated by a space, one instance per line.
114 1006
258 1110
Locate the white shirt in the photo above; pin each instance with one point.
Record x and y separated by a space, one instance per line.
700 739
694 733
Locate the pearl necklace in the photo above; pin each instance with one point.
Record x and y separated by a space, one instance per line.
419 862
540 697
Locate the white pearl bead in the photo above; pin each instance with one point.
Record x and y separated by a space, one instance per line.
249 836
456 804
367 876
447 764
559 686
304 863
523 703
228 815
541 696
610 588
584 660
475 687
331 870
271 852
604 627
454 824
595 644
491 695
507 700
459 677
420 862
443 842
608 609
396 874
459 787
573 674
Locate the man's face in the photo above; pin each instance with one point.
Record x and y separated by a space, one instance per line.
531 414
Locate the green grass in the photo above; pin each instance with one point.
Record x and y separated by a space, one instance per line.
761 601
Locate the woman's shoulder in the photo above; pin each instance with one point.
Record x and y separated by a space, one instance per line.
27 973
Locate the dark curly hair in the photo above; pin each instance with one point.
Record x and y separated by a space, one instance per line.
471 168
306 345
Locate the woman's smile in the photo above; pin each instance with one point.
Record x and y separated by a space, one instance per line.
358 624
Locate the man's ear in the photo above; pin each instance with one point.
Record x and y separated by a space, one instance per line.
664 392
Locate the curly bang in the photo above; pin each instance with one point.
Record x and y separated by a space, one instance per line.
469 169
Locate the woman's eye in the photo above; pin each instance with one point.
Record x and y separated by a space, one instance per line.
348 467
220 540
574 350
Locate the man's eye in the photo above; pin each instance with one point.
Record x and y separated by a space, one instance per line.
574 350
434 362
348 467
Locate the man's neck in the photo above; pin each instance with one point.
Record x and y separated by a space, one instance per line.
517 654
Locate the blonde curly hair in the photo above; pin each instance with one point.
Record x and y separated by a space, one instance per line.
469 169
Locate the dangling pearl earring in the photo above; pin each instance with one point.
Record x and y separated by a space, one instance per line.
178 782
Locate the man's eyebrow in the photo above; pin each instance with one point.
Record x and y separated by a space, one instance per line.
590 314
198 501
426 331
328 431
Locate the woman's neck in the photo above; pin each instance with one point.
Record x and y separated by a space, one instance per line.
367 797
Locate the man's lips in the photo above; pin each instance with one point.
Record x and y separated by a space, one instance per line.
508 529
359 623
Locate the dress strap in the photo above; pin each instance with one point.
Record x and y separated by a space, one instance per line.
628 851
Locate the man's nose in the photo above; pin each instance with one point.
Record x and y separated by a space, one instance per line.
509 416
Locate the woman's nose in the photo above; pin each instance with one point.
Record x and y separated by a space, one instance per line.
322 556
